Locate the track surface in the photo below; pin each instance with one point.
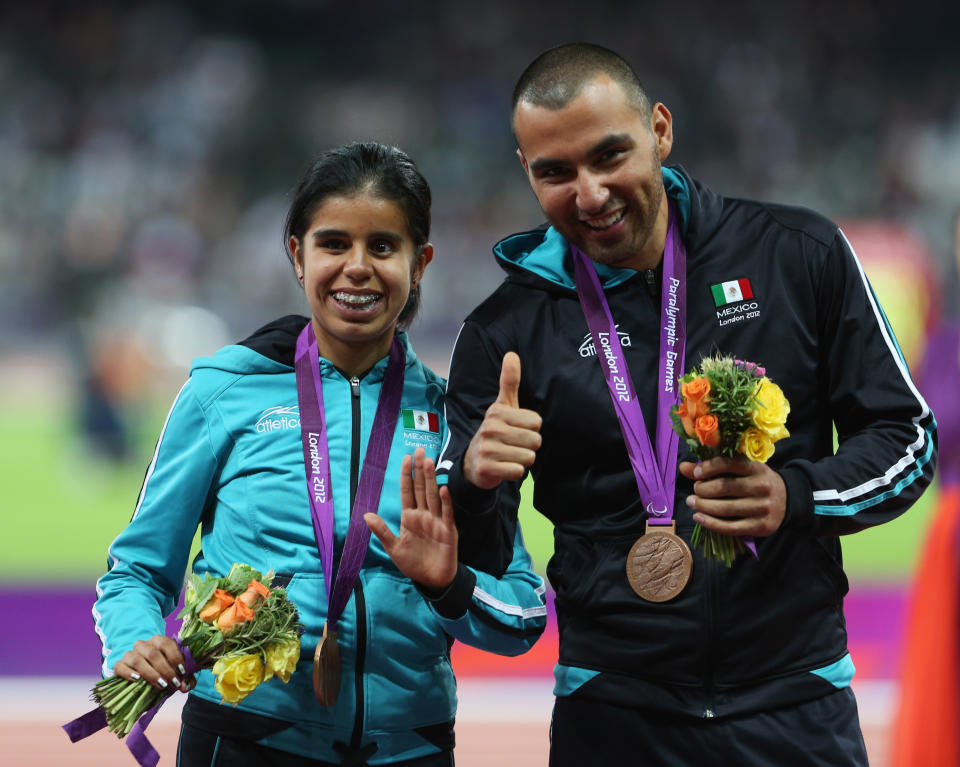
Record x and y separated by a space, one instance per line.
501 721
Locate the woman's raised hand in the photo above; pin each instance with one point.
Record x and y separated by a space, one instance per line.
426 548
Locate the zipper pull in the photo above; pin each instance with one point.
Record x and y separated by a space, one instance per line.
651 277
355 387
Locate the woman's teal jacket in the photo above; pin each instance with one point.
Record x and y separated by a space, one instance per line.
229 460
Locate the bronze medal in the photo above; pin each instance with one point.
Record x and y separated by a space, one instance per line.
659 564
326 668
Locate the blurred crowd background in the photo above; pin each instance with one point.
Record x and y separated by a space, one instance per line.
148 152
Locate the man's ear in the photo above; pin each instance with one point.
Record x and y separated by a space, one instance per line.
523 160
661 125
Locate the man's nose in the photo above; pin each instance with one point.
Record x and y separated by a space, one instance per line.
592 194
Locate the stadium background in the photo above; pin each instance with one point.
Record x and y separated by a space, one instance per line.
147 155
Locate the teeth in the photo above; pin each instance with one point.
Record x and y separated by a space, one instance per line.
367 299
603 223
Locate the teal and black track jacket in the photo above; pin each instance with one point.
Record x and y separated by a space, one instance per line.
230 460
765 632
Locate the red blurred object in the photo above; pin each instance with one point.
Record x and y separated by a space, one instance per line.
927 731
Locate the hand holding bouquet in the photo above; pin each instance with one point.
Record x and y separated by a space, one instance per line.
730 408
245 631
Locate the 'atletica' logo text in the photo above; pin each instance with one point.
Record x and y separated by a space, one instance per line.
276 418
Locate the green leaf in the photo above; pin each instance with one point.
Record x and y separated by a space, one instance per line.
199 592
239 578
677 424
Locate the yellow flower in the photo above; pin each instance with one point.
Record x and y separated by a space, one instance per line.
237 676
756 445
282 659
772 410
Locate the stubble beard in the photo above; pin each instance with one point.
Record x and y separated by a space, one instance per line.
621 252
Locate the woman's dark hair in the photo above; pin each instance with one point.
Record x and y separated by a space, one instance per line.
380 170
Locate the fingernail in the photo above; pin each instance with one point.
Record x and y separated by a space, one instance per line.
698 518
692 501
697 471
162 682
134 676
175 682
181 669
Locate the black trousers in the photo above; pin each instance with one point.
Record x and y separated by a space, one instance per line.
820 733
218 736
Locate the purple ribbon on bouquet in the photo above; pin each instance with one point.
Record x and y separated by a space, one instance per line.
141 748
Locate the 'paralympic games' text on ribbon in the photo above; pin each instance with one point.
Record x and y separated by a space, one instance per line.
655 470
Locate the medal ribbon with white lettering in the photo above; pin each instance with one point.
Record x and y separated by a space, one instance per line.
655 472
316 457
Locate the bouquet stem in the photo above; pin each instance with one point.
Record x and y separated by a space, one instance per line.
242 619
723 548
124 701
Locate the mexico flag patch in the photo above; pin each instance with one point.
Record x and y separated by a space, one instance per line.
731 291
421 420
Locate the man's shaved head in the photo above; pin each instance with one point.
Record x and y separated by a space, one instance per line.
557 76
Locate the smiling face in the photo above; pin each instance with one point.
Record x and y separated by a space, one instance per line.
594 166
358 263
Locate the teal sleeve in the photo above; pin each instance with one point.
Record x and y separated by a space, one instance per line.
504 615
148 560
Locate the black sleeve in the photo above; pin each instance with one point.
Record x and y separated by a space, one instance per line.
486 519
886 434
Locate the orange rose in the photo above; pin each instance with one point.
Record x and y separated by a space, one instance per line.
256 594
708 430
235 614
685 419
219 602
696 396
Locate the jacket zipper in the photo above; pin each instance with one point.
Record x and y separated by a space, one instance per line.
651 277
709 658
359 601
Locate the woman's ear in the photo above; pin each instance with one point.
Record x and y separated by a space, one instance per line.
423 258
294 245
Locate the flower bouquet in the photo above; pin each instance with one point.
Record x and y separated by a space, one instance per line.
730 408
246 632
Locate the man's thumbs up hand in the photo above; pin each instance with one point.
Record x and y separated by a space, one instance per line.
510 380
507 441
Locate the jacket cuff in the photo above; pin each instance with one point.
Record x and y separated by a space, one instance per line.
453 602
799 515
467 497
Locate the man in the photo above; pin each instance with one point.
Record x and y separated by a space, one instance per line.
747 665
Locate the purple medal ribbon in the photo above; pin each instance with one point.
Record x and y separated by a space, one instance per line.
655 471
316 457
141 748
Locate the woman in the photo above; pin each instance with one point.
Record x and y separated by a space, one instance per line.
272 447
